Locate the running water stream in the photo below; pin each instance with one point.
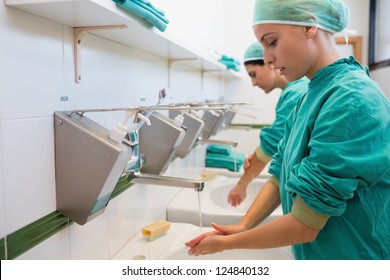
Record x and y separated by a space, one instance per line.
200 213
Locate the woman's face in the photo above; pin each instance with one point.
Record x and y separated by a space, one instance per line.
286 48
262 76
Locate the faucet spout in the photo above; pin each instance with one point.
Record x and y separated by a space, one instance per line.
151 179
219 142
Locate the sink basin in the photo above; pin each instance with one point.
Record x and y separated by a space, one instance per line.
171 247
218 196
214 208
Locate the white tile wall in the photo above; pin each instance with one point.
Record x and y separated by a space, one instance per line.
122 217
28 171
2 196
31 65
128 213
90 241
3 230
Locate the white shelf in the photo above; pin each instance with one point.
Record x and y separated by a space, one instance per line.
139 34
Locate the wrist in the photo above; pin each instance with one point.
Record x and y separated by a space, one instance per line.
244 224
242 184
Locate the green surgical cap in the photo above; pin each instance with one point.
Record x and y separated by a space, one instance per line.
254 52
329 15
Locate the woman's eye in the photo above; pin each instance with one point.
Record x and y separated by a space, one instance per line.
272 43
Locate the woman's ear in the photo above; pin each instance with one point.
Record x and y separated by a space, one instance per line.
310 31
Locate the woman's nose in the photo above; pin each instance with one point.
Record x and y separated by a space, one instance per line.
254 82
268 59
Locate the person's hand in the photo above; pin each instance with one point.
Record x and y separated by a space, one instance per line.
198 244
237 194
247 162
229 229
209 245
211 242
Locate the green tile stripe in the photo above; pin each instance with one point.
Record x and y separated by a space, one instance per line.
22 240
2 249
31 235
122 185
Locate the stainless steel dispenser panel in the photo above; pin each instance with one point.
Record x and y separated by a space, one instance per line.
158 143
194 128
213 122
229 115
88 166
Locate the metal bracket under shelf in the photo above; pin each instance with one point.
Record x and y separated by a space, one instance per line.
202 72
78 33
171 61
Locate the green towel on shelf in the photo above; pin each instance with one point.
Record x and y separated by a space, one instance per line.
230 62
219 149
161 12
233 162
222 156
149 7
144 9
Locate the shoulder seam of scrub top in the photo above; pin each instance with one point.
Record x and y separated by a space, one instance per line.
261 155
308 216
274 181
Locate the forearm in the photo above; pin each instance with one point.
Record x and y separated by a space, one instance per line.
283 231
264 204
254 169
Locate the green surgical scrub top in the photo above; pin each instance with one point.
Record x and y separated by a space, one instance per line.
336 157
289 97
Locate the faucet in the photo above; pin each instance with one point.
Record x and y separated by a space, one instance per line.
152 179
134 174
220 142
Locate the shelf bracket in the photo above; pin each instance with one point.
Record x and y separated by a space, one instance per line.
78 33
202 72
170 62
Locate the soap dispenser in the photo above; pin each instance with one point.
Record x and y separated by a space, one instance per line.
159 142
88 165
194 126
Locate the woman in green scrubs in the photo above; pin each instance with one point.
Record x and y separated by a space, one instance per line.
268 79
332 169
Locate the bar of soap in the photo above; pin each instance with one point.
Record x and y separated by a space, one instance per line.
208 175
156 229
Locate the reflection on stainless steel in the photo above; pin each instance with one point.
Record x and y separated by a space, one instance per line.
151 179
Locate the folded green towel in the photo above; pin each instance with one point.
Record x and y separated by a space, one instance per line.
219 149
145 11
161 12
230 62
149 7
229 59
231 162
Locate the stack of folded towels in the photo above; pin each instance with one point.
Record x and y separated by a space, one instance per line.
145 10
222 156
230 62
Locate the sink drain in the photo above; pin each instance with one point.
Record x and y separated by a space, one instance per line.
139 257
